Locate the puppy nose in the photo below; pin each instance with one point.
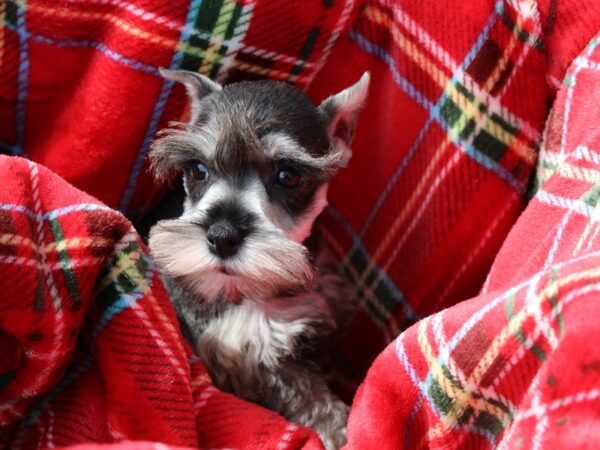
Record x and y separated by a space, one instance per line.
224 239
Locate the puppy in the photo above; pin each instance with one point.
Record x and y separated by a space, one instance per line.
256 159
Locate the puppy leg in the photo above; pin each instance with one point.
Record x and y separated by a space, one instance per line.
328 417
302 396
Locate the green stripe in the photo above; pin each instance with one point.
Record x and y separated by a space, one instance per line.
306 50
442 401
489 422
464 91
6 378
65 262
592 196
11 14
522 34
535 349
208 15
554 302
504 124
39 292
235 17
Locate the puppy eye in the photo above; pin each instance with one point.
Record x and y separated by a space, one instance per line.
289 178
200 172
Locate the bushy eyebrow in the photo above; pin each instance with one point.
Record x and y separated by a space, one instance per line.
178 147
280 146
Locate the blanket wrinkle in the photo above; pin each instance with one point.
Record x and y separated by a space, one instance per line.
433 210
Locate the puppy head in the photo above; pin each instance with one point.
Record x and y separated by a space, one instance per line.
256 159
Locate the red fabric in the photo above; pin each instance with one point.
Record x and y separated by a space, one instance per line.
516 367
90 343
443 158
432 208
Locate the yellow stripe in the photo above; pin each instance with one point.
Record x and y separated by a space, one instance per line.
584 235
71 243
200 380
212 52
392 324
516 322
208 56
85 15
470 111
124 264
579 173
224 18
462 398
423 183
593 220
65 244
264 71
468 107
571 172
502 62
123 25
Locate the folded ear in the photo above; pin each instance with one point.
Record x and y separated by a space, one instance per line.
197 86
342 109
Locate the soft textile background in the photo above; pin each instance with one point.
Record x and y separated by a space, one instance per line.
442 165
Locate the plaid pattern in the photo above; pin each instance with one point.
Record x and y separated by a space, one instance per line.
442 164
125 43
466 136
446 149
514 367
90 343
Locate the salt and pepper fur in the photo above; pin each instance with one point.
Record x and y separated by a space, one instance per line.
263 321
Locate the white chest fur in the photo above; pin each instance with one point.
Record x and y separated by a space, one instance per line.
254 337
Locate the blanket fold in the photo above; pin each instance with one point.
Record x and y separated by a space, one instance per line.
516 367
91 349
456 126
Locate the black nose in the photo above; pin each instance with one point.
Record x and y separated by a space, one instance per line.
224 239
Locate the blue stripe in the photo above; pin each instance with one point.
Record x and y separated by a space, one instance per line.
390 285
423 388
51 215
403 164
434 110
466 62
124 302
158 109
22 82
74 43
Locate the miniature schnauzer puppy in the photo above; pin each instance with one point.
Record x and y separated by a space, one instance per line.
256 159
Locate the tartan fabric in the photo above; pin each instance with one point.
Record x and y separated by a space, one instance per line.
103 56
443 154
90 347
442 165
516 367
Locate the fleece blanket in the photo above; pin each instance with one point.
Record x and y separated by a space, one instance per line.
442 168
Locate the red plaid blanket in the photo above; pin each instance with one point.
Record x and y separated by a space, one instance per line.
443 159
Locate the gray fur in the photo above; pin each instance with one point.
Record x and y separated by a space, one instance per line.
263 321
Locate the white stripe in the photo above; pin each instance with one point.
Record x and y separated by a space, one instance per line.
441 55
577 206
335 34
556 241
569 100
424 204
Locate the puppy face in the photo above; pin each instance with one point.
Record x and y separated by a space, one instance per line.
256 158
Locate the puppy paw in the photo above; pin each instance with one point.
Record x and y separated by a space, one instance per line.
331 427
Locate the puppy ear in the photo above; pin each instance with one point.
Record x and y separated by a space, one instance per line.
342 109
197 86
